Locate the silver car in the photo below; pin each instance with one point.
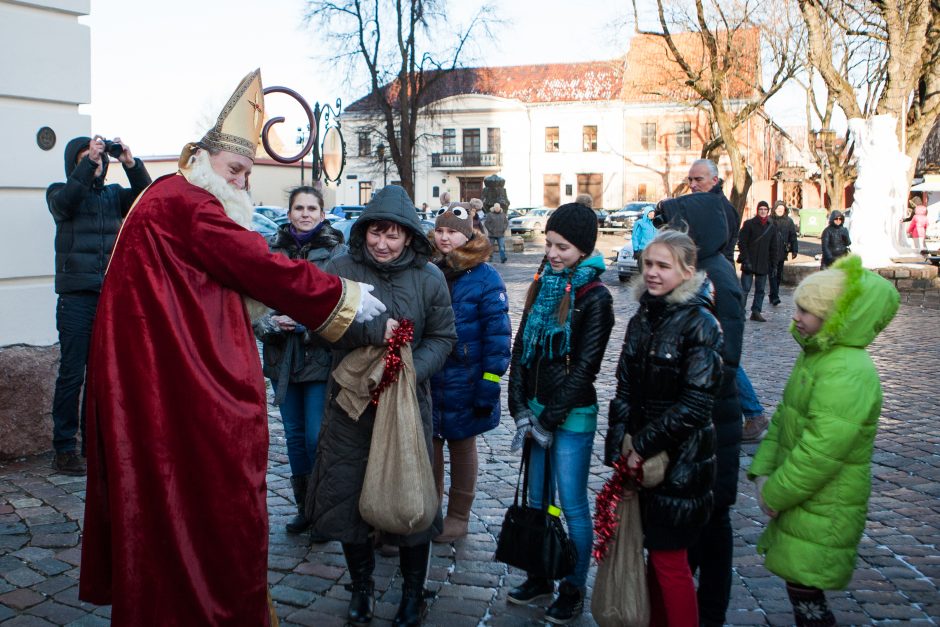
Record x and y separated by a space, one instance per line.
627 266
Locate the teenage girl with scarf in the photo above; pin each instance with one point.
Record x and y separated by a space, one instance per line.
667 378
556 356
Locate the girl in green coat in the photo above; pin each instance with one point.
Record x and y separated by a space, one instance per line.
812 470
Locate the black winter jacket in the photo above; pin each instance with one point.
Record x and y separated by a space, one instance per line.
703 216
88 216
314 355
758 246
835 240
564 382
786 240
667 378
732 218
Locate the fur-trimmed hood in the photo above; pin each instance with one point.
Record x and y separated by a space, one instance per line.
698 289
866 306
470 255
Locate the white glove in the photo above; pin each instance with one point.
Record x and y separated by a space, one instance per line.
369 305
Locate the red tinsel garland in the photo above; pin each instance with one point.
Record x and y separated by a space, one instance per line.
605 518
404 334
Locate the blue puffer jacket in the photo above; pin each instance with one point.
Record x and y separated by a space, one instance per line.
643 233
465 393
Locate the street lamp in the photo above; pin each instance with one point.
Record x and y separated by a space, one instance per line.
329 153
380 153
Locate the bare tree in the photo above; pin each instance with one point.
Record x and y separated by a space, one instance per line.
893 67
394 41
714 68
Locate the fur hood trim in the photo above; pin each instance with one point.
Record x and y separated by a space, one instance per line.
470 255
683 294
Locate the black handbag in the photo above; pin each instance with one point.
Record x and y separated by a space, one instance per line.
532 539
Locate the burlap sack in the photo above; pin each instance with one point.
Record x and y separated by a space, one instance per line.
621 595
398 493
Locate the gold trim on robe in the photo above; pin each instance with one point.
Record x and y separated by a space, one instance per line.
343 314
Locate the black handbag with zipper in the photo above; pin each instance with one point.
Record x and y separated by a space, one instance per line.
533 539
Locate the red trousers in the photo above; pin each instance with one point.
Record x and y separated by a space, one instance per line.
672 590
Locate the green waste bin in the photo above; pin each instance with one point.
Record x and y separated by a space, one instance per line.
812 222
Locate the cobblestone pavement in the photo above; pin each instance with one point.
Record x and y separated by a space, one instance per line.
896 580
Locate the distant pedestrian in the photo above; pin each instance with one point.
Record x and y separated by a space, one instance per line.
556 355
496 223
813 469
918 227
476 206
465 392
667 408
784 242
835 239
756 246
643 233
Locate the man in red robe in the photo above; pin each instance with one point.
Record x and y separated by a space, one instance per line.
176 529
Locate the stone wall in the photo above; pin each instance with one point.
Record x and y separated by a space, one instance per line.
27 382
918 283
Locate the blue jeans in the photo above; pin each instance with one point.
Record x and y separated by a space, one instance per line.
571 461
501 245
750 405
761 280
74 318
302 414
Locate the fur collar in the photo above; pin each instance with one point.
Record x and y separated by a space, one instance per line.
679 296
470 255
236 202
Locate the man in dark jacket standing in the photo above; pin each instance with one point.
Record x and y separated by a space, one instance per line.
703 177
704 216
784 242
757 250
87 216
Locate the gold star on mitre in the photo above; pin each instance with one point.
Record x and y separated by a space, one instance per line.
238 128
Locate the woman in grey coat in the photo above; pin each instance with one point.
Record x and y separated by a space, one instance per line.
388 250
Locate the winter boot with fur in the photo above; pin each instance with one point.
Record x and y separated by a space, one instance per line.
457 521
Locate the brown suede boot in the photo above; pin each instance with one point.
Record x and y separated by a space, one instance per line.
463 482
458 515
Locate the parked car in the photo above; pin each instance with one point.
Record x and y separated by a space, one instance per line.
344 226
601 217
624 218
263 225
347 211
627 266
277 215
533 220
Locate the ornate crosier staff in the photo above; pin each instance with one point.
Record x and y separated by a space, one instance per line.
329 157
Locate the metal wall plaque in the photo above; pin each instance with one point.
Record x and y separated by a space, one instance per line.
45 138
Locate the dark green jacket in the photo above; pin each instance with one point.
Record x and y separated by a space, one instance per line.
817 453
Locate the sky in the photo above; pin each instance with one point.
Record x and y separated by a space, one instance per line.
160 72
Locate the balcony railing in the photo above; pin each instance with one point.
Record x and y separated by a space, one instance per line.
466 160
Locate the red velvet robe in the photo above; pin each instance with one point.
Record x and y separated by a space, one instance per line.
176 529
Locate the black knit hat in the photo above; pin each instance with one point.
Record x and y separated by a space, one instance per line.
577 224
762 203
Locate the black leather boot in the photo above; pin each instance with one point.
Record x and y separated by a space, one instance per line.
299 523
413 562
360 559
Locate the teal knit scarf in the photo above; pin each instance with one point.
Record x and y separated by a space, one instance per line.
542 323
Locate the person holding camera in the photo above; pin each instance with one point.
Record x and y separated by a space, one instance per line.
87 216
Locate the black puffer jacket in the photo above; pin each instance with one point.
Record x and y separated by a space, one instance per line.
88 216
563 382
786 240
667 379
835 240
327 244
704 216
731 217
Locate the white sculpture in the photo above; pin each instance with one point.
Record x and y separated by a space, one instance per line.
881 191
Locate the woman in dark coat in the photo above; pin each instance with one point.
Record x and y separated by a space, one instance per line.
296 360
784 242
835 239
667 379
466 391
387 249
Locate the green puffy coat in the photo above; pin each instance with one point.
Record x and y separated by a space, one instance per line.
817 453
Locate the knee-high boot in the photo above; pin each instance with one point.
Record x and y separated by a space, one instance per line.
299 523
464 467
360 559
413 562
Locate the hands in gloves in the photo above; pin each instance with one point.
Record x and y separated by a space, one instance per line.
793 255
369 305
523 426
613 442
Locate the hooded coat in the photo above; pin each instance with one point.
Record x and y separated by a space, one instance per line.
786 240
643 233
466 392
835 240
410 287
703 214
817 452
88 216
667 378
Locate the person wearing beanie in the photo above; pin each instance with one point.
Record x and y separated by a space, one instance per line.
785 242
757 257
812 471
556 355
465 393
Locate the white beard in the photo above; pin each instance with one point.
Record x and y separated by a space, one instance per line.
236 202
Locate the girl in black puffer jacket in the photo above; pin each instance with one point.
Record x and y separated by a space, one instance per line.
667 379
